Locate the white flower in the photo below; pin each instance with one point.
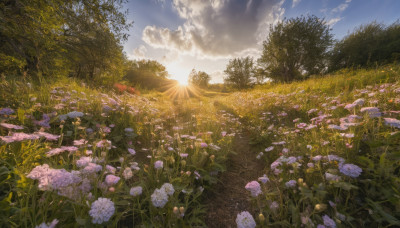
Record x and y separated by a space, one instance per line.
127 173
159 198
168 188
101 211
269 149
50 225
350 170
245 220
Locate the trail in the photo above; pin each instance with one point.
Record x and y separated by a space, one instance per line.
229 197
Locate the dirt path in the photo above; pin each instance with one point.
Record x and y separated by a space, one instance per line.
229 197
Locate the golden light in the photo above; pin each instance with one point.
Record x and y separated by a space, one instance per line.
179 73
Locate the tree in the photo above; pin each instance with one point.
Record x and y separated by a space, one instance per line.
240 72
199 78
367 45
76 37
148 73
296 48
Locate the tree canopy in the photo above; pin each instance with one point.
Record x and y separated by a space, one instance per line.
367 45
240 72
76 38
296 48
199 78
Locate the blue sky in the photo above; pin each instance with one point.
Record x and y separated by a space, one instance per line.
205 34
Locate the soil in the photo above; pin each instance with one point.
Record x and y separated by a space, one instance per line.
229 197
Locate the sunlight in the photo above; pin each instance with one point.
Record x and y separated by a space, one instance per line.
178 73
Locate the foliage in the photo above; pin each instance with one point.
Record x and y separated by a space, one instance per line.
368 45
240 72
52 37
296 48
199 78
148 74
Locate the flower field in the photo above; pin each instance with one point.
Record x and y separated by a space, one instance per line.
76 156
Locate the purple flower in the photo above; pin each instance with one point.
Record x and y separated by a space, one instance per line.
254 187
112 180
158 164
6 111
11 126
350 170
291 184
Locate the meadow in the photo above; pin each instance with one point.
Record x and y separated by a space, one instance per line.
324 152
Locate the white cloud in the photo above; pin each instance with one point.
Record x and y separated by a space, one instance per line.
138 53
218 28
295 3
333 21
217 77
342 7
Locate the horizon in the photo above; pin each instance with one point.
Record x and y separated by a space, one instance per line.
203 35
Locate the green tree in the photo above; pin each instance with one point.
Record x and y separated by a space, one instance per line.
240 72
147 73
296 48
199 78
367 45
79 38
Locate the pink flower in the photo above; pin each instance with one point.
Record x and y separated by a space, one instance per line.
254 187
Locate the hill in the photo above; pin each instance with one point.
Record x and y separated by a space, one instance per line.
319 152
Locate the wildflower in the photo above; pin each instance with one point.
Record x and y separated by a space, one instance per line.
11 126
136 191
101 210
269 149
80 142
131 151
328 222
83 162
60 150
158 164
159 198
75 114
290 184
372 111
203 145
310 165
309 147
111 169
245 220
254 187
92 168
127 174
48 225
104 143
392 122
336 127
274 205
111 179
48 136
183 155
264 179
6 111
350 170
19 136
168 188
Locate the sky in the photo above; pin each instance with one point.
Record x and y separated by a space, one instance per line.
205 34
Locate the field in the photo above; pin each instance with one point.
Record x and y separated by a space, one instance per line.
324 152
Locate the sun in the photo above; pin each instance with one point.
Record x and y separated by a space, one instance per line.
179 74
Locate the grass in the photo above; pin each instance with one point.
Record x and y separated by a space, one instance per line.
313 169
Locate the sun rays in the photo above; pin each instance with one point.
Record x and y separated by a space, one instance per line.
181 91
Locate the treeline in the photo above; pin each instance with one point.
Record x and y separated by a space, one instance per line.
299 47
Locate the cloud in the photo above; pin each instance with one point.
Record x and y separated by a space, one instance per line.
217 77
342 7
138 53
216 29
333 21
295 3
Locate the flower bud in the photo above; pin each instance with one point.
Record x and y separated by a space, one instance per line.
176 210
261 217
